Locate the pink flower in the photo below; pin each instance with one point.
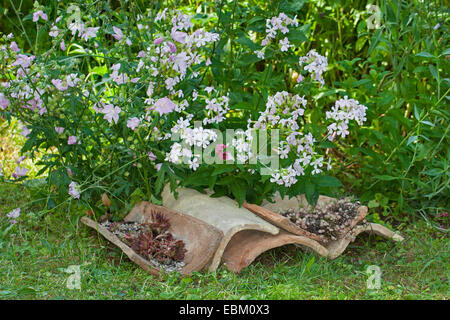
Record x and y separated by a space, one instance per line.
20 159
39 14
133 123
111 113
179 36
23 61
223 155
141 54
59 130
58 83
25 132
53 31
74 190
63 45
72 140
13 214
89 33
172 47
158 166
220 147
158 41
14 47
118 34
20 172
151 156
164 105
4 103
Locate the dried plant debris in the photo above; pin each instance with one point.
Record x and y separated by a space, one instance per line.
330 221
152 241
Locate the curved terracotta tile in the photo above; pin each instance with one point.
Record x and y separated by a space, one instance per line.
336 248
201 239
223 213
246 245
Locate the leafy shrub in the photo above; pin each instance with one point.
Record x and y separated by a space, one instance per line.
108 119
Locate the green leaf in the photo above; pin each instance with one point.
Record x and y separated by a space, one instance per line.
247 42
239 190
291 6
386 178
425 54
296 37
223 168
373 204
311 193
327 181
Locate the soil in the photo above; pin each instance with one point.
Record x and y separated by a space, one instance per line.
132 232
328 221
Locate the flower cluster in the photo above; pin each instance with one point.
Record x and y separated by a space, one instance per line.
342 112
118 98
196 137
274 25
316 65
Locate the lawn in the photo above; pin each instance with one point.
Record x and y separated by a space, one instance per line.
35 252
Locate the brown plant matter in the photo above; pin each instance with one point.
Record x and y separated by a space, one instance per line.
151 240
329 221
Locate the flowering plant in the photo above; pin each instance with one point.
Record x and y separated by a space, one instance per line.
124 107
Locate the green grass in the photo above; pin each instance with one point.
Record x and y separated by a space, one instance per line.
35 252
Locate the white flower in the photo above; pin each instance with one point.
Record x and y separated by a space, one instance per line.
285 45
54 31
259 54
316 65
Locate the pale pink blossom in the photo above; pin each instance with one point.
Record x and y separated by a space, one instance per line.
39 14
179 36
158 41
14 47
4 103
90 32
58 83
25 132
72 140
59 130
172 47
54 31
74 190
133 123
151 156
20 159
164 105
14 214
111 113
118 34
20 172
